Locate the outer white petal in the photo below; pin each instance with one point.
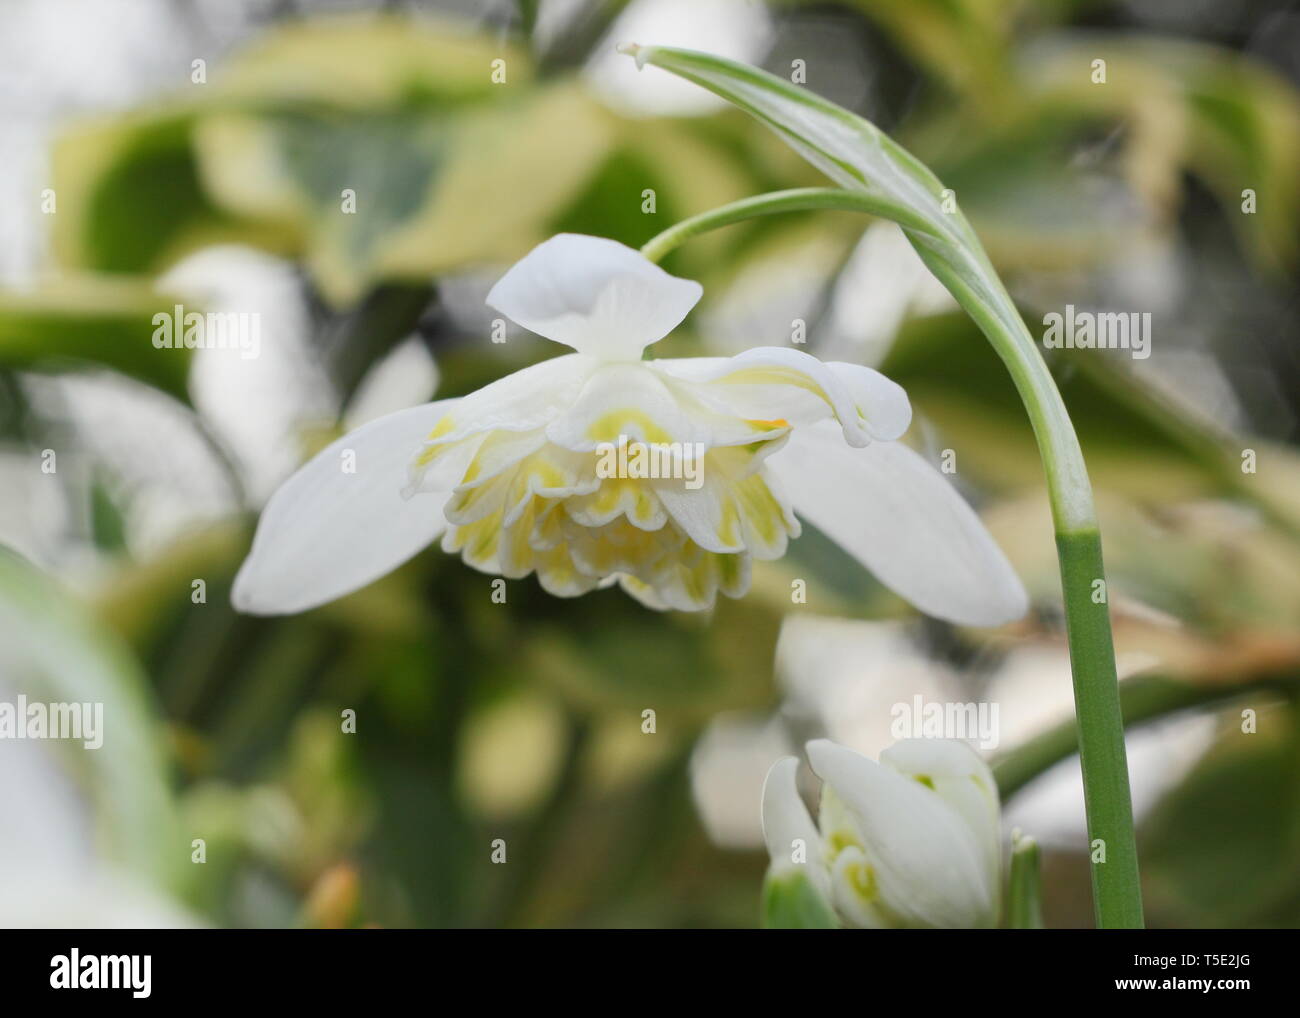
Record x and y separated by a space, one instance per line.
901 519
324 532
594 294
929 870
961 778
786 820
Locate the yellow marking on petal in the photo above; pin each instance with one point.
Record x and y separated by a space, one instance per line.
775 376
611 426
772 425
546 533
429 455
475 465
862 879
477 542
494 443
517 555
474 503
483 544
729 528
644 509
547 474
762 511
839 841
609 497
444 426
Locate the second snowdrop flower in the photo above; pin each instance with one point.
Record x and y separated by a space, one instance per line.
911 841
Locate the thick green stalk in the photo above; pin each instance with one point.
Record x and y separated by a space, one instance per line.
1116 889
1113 850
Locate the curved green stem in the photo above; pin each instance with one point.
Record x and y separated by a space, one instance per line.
963 270
800 199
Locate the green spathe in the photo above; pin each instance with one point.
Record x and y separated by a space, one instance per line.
791 902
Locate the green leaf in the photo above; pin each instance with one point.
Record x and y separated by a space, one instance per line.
135 192
1185 106
96 321
964 42
791 902
364 62
445 167
959 383
129 195
53 651
690 167
1221 850
1139 442
1036 204
430 188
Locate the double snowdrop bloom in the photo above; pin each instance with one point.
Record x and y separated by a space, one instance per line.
510 477
911 841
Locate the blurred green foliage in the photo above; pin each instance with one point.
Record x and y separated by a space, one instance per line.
235 721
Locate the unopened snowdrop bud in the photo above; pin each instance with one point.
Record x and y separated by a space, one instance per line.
911 841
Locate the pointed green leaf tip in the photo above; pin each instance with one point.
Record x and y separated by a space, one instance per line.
790 902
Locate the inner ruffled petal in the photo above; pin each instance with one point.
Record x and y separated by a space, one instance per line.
650 474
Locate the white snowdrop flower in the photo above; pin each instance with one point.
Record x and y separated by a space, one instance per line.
509 476
911 841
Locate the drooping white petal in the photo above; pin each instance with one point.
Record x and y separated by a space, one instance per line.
787 825
594 294
779 385
327 531
901 519
925 866
961 778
